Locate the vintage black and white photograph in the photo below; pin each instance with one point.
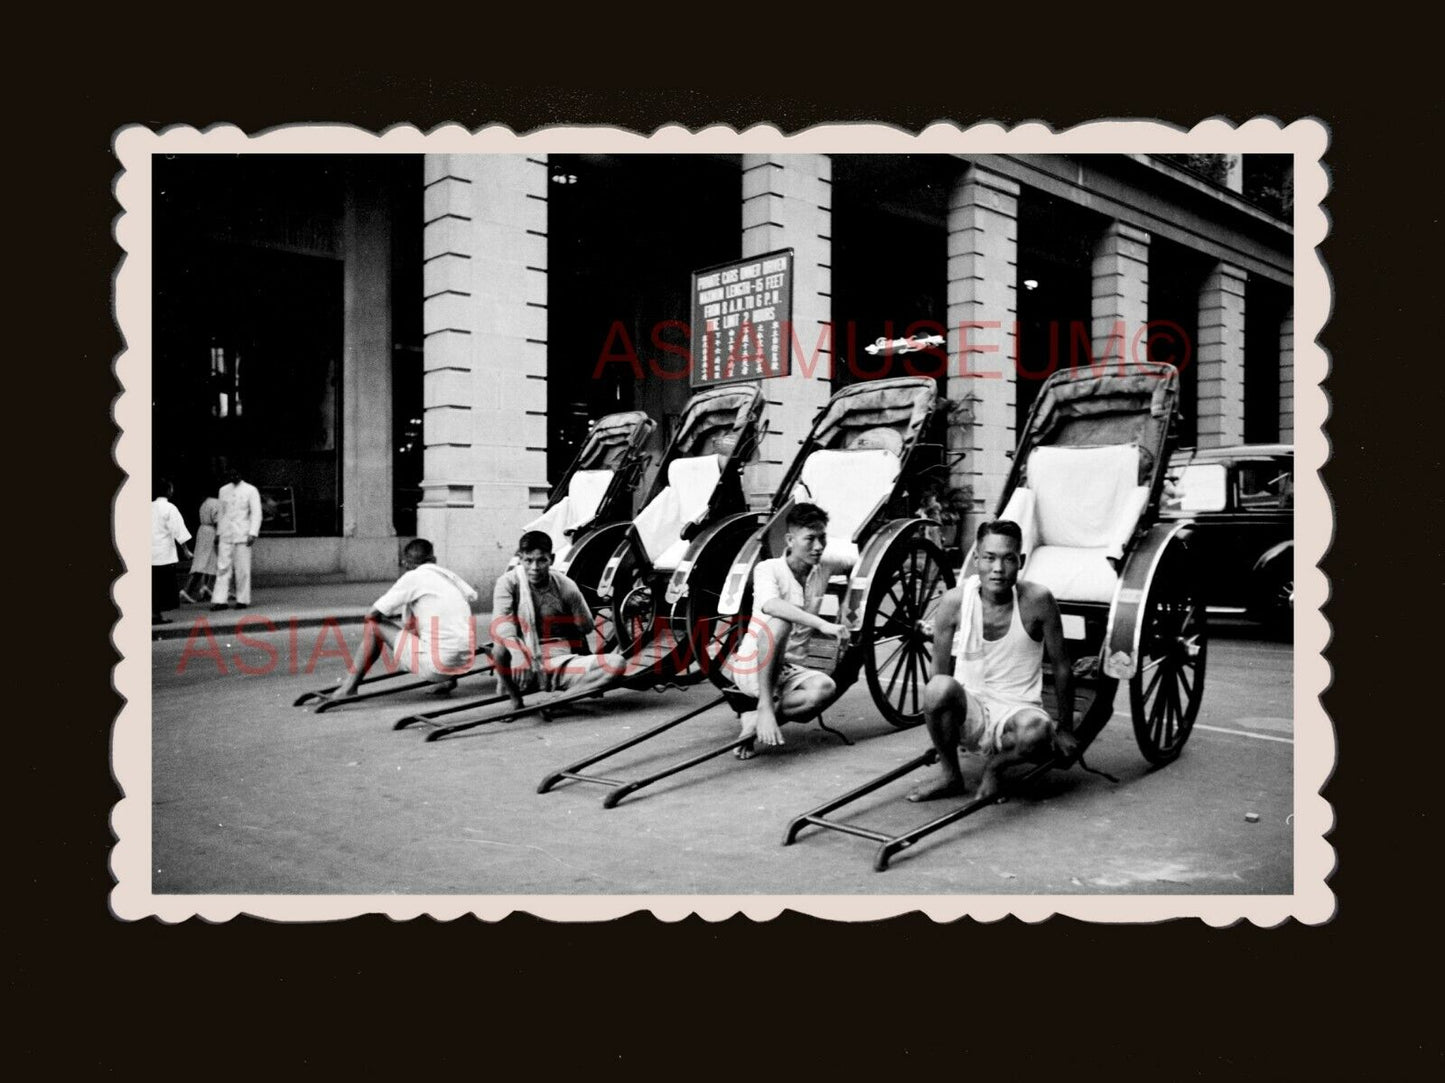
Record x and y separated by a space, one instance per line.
857 521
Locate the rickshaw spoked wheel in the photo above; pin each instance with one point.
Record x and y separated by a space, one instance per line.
897 632
1168 686
586 571
634 614
712 637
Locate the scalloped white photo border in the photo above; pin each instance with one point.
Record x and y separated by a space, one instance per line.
1311 901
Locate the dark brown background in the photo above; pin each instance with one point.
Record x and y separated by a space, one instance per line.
1173 1001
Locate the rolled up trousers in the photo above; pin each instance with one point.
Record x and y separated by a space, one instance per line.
232 556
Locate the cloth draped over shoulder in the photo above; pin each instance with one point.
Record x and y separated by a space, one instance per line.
535 676
968 651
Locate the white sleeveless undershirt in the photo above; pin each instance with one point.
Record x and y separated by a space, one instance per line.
1007 672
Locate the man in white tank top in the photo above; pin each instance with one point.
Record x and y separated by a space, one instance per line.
986 693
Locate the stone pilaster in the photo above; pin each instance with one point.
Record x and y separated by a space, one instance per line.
1120 299
982 328
788 203
366 428
1286 378
1219 357
484 357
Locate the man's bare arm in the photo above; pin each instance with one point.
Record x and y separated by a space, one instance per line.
945 627
1063 671
784 610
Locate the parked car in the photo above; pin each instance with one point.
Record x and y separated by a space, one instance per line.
1241 500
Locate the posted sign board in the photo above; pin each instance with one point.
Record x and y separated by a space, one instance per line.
742 320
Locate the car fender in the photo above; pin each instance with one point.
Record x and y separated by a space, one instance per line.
1284 550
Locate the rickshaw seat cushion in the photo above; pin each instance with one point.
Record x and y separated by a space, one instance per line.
847 485
690 485
1086 497
584 495
1072 574
1020 510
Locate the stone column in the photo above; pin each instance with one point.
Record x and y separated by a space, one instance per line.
982 331
1219 356
788 203
1120 305
1286 378
484 357
369 548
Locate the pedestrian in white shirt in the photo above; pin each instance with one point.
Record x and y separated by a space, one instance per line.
168 531
236 530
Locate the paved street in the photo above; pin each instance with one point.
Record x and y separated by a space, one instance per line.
252 795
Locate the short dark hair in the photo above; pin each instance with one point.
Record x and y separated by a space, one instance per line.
1006 527
535 540
160 487
419 551
806 517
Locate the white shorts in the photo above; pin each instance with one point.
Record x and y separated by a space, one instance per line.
566 671
995 716
417 657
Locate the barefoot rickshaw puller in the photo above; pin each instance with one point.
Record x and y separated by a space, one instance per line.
426 621
986 693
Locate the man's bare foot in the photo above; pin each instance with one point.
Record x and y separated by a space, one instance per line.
988 787
943 787
338 694
441 691
749 730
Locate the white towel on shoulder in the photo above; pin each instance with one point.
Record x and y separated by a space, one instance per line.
968 638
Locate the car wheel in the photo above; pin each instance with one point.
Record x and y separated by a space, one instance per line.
1274 599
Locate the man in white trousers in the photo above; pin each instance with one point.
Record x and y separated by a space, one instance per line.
236 531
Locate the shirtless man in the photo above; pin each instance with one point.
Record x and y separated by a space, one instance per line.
542 630
426 620
995 704
787 594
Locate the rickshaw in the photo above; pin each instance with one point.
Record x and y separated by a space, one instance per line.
871 453
595 493
1085 487
623 568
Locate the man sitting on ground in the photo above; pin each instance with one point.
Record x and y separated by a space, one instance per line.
986 693
542 629
769 664
426 620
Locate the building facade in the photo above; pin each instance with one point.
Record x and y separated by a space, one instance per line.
402 346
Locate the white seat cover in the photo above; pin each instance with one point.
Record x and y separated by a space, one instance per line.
690 484
1080 507
1072 574
585 491
1086 497
847 485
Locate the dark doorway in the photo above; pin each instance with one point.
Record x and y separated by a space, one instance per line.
249 303
1265 305
248 329
1056 243
1176 275
890 261
406 341
625 233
